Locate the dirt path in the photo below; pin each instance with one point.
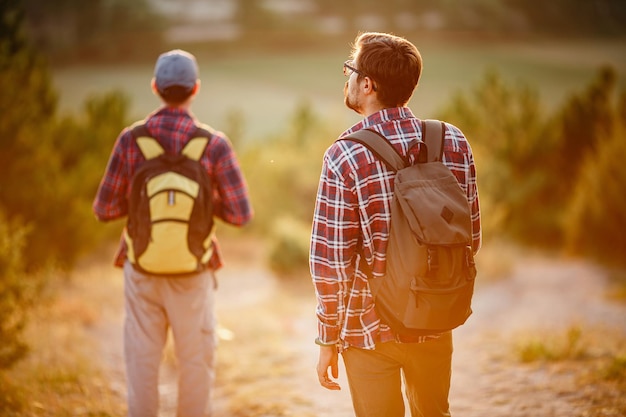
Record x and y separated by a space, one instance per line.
542 299
268 358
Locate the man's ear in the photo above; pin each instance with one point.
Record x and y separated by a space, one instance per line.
368 85
154 87
196 88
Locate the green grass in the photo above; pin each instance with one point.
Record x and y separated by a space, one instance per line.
267 87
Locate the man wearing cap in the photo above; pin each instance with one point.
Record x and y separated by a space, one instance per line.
156 303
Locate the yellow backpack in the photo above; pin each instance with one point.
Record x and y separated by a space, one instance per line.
170 220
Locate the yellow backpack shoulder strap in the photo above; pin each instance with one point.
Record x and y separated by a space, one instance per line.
149 146
194 149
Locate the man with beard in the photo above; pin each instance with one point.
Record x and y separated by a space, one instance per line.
352 221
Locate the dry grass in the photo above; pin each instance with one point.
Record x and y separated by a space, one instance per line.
595 356
60 377
569 346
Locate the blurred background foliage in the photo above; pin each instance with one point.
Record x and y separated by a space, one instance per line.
534 161
548 177
105 30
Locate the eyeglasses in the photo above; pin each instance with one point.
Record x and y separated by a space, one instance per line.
348 69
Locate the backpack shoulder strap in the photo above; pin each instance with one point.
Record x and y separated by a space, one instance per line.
433 135
380 147
194 149
149 146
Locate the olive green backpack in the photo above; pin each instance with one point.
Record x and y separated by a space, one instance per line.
429 278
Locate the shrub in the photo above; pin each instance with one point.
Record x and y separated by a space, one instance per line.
16 292
549 180
49 164
283 171
290 247
596 219
512 144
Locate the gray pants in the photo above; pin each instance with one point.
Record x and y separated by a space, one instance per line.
375 378
153 305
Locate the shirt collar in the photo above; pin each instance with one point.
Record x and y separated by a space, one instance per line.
382 116
172 111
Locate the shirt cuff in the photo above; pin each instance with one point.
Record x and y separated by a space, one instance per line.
320 343
328 335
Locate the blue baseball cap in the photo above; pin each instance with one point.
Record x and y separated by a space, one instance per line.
175 68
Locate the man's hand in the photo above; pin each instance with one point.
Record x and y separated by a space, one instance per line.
329 358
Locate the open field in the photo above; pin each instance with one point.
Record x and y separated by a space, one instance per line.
266 88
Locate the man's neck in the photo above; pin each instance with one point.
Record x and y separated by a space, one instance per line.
367 111
370 105
183 107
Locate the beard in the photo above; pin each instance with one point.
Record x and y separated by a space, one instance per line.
350 100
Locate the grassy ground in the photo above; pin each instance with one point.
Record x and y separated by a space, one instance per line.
266 357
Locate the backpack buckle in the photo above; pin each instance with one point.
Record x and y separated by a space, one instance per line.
469 257
433 261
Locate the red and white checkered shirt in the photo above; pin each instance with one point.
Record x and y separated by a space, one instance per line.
173 129
353 206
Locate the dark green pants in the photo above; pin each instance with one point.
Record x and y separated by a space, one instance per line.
375 378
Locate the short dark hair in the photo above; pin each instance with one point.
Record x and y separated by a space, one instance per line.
393 63
176 94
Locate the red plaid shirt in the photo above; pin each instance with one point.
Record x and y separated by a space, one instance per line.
353 205
173 129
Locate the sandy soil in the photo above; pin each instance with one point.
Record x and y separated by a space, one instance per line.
267 355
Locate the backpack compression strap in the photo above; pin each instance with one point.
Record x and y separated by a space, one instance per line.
151 148
433 134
